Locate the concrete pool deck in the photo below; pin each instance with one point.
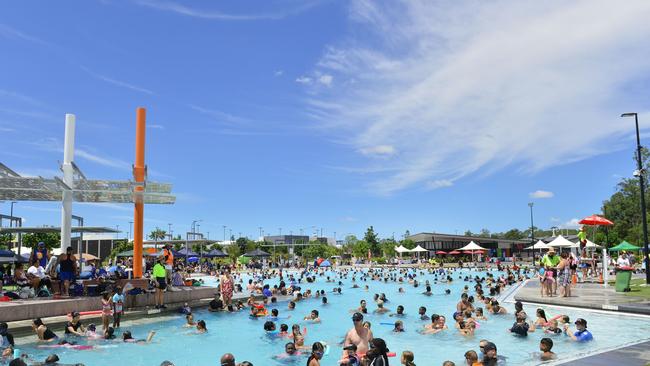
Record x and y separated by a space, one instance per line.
588 296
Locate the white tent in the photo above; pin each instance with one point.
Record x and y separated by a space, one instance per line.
560 242
590 245
472 246
539 245
418 249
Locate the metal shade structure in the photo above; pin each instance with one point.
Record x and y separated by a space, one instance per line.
624 246
560 242
257 253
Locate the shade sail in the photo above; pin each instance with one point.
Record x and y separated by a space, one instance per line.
472 246
624 246
595 220
402 249
257 253
560 242
418 249
539 245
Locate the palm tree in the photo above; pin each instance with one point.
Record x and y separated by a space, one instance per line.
156 235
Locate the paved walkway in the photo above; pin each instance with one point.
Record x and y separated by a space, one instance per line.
586 295
635 355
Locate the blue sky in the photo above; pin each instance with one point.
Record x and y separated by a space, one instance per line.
330 114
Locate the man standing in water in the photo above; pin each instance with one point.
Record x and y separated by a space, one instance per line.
358 336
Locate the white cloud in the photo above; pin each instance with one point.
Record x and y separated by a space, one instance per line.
326 79
13 33
304 80
220 116
155 126
435 184
349 219
541 194
571 224
498 89
101 160
379 150
278 73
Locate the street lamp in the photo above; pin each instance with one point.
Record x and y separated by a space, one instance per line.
11 213
532 227
224 234
130 229
642 189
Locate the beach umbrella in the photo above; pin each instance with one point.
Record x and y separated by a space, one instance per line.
325 263
624 246
595 220
472 247
441 252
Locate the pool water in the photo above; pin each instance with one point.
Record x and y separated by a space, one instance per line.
244 337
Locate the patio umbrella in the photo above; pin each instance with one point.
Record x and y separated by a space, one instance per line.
454 252
418 249
590 244
257 253
441 252
539 245
624 246
88 257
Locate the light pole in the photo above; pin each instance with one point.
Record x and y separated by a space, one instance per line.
532 227
130 229
171 237
261 237
224 234
280 231
640 173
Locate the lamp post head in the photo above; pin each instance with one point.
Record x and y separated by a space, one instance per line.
630 114
530 204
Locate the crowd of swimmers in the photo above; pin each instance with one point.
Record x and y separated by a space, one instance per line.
359 347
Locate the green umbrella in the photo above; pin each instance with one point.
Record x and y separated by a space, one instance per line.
624 246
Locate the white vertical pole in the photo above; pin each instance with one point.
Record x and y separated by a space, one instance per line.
605 270
68 157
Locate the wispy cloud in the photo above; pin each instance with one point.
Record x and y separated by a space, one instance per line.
278 73
19 97
378 150
116 82
155 126
435 184
571 224
54 144
541 194
185 10
220 116
13 33
460 97
109 206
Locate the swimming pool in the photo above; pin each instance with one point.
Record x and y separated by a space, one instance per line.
245 338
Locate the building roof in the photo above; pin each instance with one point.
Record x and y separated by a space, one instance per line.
42 230
420 237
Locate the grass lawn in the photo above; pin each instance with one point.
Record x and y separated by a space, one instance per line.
638 288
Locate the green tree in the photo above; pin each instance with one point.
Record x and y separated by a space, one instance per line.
157 234
51 240
120 246
408 244
373 242
360 249
485 233
513 234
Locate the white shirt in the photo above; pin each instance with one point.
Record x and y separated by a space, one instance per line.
622 262
36 271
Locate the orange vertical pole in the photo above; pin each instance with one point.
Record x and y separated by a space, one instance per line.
139 176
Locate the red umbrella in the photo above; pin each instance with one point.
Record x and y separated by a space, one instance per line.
454 252
441 252
596 221
468 252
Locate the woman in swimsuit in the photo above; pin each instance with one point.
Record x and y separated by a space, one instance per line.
42 331
227 285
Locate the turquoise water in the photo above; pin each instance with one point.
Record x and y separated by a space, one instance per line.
245 338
